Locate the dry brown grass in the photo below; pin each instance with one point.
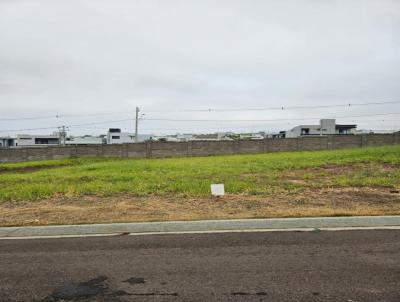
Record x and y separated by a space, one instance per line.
316 202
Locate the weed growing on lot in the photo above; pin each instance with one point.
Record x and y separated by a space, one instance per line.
258 174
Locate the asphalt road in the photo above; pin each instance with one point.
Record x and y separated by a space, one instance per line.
268 266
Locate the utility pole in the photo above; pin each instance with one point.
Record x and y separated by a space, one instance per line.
137 125
62 135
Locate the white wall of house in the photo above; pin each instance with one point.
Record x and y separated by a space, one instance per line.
25 140
116 136
84 140
328 126
120 138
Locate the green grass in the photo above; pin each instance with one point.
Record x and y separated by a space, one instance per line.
242 174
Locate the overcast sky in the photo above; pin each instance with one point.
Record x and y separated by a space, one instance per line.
96 56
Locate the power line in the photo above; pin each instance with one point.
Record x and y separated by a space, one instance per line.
29 118
214 120
104 122
269 120
70 126
277 107
30 129
60 116
237 120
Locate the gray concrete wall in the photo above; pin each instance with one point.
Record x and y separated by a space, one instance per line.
199 148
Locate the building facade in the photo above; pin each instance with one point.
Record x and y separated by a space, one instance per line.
36 140
325 127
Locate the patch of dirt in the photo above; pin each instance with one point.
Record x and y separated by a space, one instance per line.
348 168
307 203
29 169
323 175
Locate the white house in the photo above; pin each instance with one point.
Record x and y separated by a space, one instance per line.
325 127
37 140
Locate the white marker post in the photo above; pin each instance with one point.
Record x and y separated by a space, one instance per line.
217 190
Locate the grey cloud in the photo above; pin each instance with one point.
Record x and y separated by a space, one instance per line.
105 56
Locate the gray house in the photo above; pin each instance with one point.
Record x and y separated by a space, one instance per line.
325 127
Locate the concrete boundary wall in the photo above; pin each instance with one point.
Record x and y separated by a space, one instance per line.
199 148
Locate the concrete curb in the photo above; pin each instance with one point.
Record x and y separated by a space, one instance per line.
200 226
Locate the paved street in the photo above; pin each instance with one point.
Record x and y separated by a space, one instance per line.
268 266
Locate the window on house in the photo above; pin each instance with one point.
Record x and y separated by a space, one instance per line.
115 130
115 137
305 131
46 141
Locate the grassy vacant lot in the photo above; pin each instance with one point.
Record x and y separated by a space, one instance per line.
84 190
